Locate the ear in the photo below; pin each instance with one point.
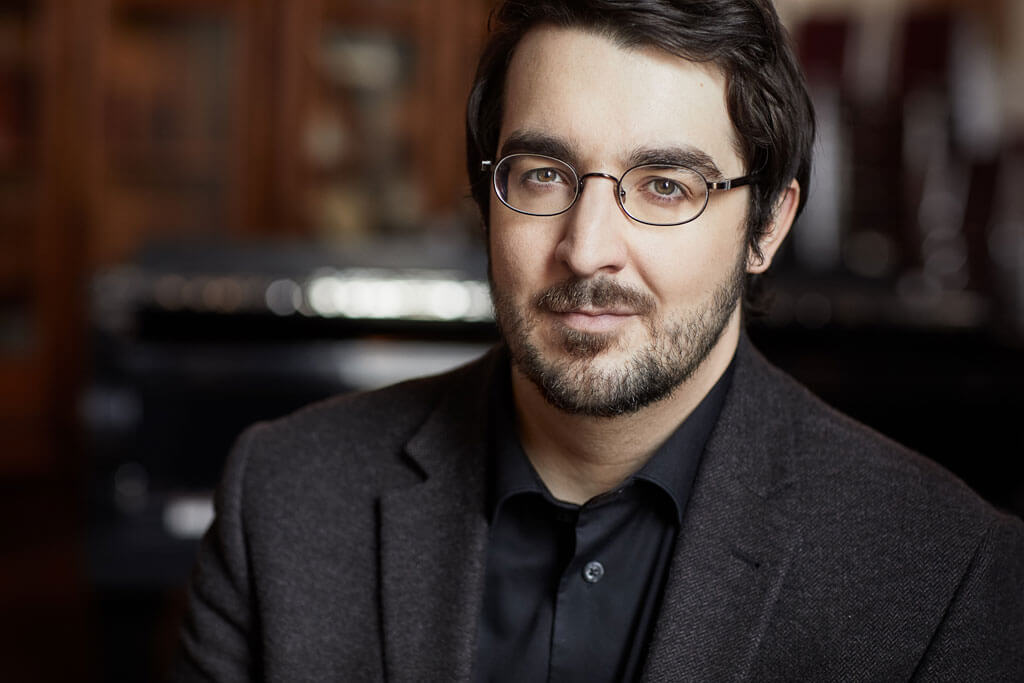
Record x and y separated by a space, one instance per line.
782 220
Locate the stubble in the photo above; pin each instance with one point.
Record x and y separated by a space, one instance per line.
573 380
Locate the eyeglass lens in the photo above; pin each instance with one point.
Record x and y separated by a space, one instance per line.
656 194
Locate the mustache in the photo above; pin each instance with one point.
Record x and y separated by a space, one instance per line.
574 294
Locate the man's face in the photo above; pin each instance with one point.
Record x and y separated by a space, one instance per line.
606 315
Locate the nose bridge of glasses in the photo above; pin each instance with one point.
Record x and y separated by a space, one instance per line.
598 174
607 176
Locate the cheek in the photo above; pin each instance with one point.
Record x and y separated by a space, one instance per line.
683 269
679 275
728 238
518 255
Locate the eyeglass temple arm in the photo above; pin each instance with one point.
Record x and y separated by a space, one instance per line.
748 179
486 165
735 182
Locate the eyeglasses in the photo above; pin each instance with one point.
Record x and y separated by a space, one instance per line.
653 194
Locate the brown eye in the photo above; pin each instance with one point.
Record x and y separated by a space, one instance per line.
545 175
665 187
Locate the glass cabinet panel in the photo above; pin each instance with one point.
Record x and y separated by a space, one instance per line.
168 100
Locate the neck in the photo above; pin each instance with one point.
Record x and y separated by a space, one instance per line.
579 457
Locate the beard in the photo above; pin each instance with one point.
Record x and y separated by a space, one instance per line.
575 382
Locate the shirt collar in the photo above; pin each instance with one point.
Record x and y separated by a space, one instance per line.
672 468
512 471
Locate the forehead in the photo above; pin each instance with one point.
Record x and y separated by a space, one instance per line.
605 101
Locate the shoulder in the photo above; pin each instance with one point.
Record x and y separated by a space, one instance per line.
351 441
376 417
866 504
885 500
837 459
893 549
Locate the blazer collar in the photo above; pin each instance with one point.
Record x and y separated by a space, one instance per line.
736 542
433 536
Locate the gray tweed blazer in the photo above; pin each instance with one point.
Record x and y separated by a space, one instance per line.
350 539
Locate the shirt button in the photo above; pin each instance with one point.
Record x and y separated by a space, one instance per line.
593 572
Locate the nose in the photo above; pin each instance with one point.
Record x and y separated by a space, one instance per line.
593 237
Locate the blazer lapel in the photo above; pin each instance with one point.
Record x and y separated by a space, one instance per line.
736 543
433 540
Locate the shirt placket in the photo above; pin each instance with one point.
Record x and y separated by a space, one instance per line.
575 638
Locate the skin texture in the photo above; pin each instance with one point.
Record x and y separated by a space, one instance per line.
617 330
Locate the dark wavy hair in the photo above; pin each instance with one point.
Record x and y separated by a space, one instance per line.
766 93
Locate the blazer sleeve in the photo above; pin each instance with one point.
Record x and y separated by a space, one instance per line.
218 637
981 636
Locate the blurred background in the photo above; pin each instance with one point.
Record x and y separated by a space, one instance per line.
214 211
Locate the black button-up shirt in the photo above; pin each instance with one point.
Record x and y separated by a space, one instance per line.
572 591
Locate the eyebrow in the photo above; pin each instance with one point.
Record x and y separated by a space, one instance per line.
688 156
534 142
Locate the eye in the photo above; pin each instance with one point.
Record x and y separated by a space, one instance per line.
665 187
544 175
660 187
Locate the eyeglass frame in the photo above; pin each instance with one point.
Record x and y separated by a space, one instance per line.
711 186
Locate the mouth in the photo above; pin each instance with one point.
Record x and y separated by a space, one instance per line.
600 306
595 321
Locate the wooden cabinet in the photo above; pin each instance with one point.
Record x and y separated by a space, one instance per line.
370 114
170 96
36 256
19 174
125 123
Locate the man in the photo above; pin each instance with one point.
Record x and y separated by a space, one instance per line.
625 489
